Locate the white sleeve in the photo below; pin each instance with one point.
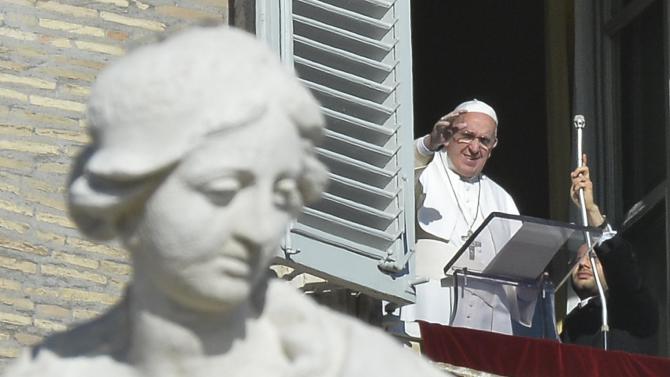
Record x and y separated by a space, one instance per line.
421 147
608 233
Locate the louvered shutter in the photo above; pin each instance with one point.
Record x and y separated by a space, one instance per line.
355 57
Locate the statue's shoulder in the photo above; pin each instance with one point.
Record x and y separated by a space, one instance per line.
104 335
292 305
49 364
97 345
349 345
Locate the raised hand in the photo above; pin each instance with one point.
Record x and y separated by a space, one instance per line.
581 179
442 131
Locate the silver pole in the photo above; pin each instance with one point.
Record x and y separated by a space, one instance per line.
579 123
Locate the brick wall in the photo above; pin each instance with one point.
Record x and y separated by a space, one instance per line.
50 53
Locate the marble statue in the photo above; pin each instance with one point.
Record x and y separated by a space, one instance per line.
202 152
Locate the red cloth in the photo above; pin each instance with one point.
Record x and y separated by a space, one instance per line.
519 357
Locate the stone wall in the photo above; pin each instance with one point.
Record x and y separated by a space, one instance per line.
50 54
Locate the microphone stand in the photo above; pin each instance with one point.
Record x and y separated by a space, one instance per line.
579 123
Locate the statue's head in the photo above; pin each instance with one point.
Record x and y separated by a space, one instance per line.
202 152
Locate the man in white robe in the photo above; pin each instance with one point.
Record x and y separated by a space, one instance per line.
453 199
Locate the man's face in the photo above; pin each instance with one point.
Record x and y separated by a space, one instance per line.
583 281
468 159
209 231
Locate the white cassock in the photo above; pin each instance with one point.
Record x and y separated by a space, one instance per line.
441 228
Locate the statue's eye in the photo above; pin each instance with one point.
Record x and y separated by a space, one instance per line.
287 195
222 190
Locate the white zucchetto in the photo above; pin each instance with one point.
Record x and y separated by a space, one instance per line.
477 106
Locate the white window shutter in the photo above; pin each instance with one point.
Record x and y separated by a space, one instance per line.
355 57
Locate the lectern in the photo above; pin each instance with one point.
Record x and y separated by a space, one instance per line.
505 263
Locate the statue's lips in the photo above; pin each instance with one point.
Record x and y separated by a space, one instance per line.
231 266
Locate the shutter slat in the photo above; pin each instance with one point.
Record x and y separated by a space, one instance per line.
348 104
341 59
357 170
370 195
358 128
370 8
342 81
356 212
343 243
347 229
359 149
342 39
345 19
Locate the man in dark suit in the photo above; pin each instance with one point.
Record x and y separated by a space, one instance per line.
633 312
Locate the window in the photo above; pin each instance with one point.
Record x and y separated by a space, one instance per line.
624 45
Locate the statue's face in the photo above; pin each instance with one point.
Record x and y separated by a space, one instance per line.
208 232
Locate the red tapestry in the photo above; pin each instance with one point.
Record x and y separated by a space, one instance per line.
520 357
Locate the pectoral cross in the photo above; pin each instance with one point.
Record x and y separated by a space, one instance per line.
473 245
